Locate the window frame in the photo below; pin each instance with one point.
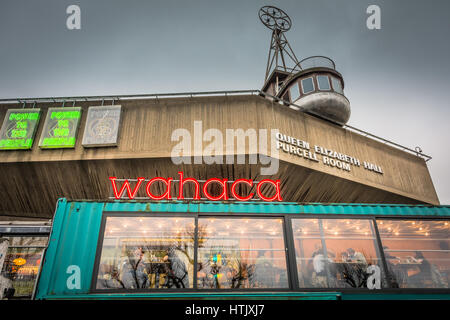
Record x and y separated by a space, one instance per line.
101 237
408 218
299 93
313 83
328 80
44 231
332 85
288 236
94 290
376 239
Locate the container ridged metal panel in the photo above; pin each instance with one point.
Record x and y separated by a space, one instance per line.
76 227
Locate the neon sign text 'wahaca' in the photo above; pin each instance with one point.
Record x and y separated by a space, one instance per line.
226 193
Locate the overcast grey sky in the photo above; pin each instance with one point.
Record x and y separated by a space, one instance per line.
397 79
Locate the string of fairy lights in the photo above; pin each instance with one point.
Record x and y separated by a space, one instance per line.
302 227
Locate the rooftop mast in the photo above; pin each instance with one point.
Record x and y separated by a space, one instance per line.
280 52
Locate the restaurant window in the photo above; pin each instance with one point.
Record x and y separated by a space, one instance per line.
21 264
294 92
147 253
417 252
241 253
324 83
337 253
337 85
307 85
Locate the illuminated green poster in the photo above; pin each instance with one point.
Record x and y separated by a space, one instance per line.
19 128
60 128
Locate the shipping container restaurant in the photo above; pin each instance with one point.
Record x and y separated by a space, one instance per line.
107 250
293 203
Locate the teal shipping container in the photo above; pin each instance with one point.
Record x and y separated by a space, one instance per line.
245 250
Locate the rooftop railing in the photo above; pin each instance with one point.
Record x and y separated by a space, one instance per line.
317 62
31 102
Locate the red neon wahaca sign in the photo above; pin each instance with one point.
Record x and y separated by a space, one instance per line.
223 184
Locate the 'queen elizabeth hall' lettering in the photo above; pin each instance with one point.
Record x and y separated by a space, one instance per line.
223 184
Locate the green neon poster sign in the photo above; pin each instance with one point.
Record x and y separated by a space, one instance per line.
19 128
60 128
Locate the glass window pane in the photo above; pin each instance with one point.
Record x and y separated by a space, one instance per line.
27 241
417 252
21 265
349 246
147 252
294 92
307 85
307 241
241 253
337 85
323 82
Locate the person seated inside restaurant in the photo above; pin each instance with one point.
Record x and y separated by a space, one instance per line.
159 269
108 278
133 273
319 274
177 273
355 256
428 275
263 276
396 275
242 274
230 276
351 272
209 274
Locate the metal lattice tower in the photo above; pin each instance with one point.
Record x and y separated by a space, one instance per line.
280 52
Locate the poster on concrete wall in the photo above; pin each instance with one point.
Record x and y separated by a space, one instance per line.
19 128
102 126
60 128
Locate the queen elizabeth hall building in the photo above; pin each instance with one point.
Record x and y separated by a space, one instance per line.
252 194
